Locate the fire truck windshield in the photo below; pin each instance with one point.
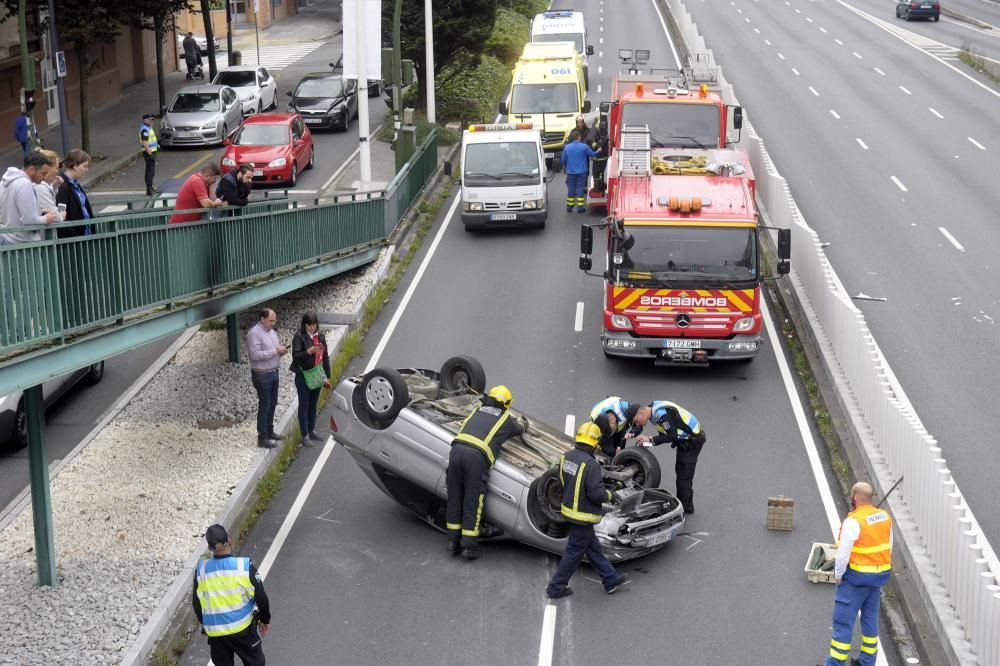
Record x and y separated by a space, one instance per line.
576 38
502 164
675 125
706 255
544 98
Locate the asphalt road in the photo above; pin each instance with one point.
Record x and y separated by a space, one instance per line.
360 581
948 31
903 120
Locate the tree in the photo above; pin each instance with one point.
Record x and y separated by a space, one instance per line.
206 15
82 23
158 16
461 28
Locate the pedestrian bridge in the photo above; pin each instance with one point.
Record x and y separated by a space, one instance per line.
71 302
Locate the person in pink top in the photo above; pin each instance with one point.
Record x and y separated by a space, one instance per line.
196 192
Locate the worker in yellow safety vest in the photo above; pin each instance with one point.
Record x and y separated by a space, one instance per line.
864 563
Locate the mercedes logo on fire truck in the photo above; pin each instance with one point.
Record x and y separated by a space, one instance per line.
683 320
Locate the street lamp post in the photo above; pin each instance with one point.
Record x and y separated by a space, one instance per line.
429 42
361 11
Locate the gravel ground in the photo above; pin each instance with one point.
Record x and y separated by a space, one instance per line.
134 504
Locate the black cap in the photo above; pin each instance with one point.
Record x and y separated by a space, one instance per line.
216 535
147 116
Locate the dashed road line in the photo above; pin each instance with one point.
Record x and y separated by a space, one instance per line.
861 143
814 91
951 239
899 184
834 114
578 320
795 72
905 90
934 111
857 55
976 143
879 71
780 55
839 43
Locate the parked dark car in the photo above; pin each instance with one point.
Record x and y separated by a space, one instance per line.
324 99
906 9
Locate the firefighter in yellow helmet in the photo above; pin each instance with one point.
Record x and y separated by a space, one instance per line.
583 495
473 452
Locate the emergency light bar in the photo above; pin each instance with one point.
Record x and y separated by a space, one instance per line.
499 127
558 13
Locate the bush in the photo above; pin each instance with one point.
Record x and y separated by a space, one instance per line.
473 94
524 7
510 32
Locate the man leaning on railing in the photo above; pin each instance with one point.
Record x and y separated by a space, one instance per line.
196 192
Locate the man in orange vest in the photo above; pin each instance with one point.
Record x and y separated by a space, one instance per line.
864 563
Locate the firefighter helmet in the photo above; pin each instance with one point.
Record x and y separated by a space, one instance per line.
588 433
501 394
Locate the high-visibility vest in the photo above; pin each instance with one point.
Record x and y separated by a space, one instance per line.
151 141
480 427
659 407
576 506
226 595
872 552
616 406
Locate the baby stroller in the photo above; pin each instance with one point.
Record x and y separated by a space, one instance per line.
195 69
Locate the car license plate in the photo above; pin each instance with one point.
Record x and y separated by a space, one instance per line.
184 135
498 217
313 121
657 539
682 344
258 172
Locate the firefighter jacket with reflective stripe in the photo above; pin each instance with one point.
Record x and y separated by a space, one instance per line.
872 551
487 428
673 423
226 595
583 486
622 409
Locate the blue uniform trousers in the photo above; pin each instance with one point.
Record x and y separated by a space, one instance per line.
576 190
858 592
581 542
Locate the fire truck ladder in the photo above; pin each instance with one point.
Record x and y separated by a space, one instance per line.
635 151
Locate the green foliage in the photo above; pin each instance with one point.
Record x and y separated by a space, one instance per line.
526 8
473 97
510 32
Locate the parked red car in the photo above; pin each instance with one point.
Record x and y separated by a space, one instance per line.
278 146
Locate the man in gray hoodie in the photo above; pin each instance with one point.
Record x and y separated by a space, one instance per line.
18 204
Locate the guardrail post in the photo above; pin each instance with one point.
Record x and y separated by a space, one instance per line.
38 472
233 336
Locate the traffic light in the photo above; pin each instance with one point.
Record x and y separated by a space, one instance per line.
28 100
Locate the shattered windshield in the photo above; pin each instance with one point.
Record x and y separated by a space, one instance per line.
684 254
675 125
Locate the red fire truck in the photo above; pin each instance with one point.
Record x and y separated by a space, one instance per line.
683 261
682 108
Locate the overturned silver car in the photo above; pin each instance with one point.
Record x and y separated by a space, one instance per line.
398 426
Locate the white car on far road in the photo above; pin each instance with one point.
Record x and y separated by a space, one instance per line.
257 89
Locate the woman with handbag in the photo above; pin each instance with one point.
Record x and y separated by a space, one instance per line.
311 365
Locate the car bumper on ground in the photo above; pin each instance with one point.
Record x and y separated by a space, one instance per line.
501 219
198 137
664 351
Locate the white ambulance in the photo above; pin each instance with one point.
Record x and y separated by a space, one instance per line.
564 25
503 177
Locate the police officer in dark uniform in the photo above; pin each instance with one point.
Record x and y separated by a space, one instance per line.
583 495
473 452
682 430
624 419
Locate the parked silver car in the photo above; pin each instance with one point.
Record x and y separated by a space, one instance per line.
14 420
201 115
255 86
398 425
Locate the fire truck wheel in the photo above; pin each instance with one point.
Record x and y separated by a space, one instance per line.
462 373
648 473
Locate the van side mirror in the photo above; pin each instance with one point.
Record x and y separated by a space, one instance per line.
502 108
586 106
447 168
784 267
590 49
604 107
737 117
586 247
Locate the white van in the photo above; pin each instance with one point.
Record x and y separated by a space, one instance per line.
503 177
564 25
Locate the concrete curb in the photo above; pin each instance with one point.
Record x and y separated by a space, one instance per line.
23 500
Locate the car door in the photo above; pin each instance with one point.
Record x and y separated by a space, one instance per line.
233 109
268 88
352 99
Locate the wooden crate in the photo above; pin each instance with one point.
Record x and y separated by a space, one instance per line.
779 512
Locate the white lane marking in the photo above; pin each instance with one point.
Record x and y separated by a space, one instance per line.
823 30
767 41
951 239
838 42
600 69
293 514
809 19
862 143
976 143
813 91
602 28
600 54
548 636
340 169
601 40
899 184
398 314
798 11
934 111
746 19
879 71
757 30
834 114
670 40
905 90
857 55
795 72
739 11
780 55
570 424
598 88
578 321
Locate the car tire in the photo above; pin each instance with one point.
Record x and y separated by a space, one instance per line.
312 159
19 434
95 374
260 107
936 18
461 373
649 466
295 175
906 16
548 496
380 397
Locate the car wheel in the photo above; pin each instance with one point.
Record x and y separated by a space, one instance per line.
648 474
548 496
461 373
897 11
380 397
95 374
312 158
295 175
19 436
260 107
936 18
906 16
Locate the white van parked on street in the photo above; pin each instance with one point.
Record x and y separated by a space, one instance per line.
564 25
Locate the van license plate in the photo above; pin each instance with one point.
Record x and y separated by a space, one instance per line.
682 344
499 217
550 155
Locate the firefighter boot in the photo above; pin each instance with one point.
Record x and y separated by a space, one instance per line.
454 545
471 553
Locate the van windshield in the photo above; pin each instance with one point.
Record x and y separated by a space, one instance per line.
544 98
576 38
503 163
673 125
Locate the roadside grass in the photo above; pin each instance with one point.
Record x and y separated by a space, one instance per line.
971 57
